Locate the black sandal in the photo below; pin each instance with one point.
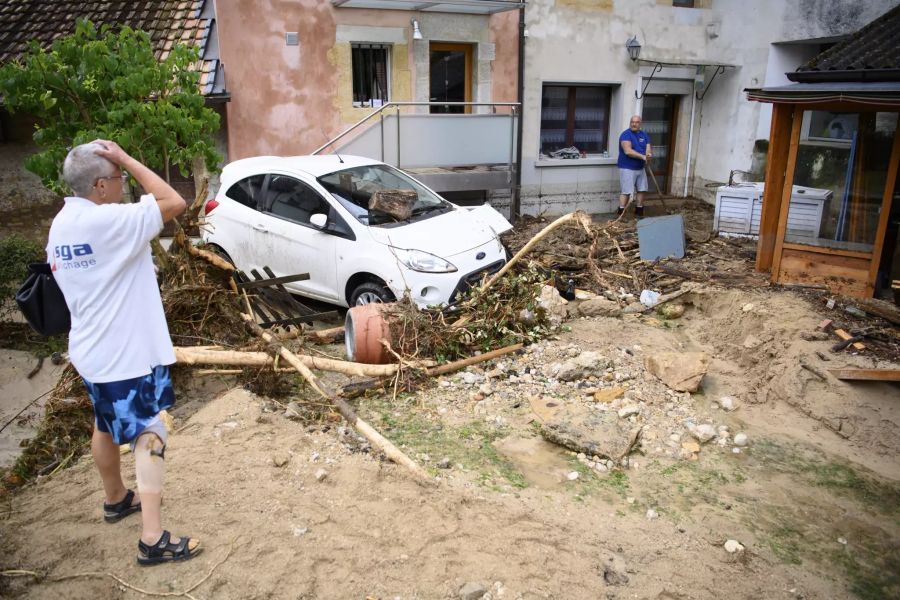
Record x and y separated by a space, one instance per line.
164 551
118 511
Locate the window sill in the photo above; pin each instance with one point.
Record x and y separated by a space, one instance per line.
590 161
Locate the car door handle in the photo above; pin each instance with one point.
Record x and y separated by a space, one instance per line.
262 228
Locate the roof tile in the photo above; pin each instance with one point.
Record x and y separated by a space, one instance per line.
874 47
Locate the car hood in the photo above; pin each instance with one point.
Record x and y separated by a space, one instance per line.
445 235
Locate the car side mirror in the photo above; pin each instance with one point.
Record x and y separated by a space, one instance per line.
319 220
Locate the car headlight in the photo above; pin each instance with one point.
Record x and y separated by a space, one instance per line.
424 262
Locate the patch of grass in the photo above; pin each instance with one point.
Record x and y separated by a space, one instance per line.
785 544
819 470
872 577
470 444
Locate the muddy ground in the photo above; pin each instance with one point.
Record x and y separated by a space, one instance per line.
298 510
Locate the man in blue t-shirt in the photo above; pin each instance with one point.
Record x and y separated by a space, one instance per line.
634 152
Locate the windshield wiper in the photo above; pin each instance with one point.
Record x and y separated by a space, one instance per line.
427 209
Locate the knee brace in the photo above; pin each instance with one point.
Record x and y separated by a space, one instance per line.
149 462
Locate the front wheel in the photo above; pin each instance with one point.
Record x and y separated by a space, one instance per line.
370 292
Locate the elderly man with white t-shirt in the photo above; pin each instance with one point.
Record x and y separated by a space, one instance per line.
99 250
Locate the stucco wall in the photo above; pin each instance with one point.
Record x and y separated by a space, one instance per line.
292 99
582 41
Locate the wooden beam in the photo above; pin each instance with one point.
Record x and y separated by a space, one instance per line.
889 183
264 283
779 145
787 189
846 336
827 250
866 374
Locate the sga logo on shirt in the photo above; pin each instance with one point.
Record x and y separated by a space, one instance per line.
69 255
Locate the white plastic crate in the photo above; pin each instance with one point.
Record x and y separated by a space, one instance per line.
739 210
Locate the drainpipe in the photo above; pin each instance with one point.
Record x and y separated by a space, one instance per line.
516 200
687 163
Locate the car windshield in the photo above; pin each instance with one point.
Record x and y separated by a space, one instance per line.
354 187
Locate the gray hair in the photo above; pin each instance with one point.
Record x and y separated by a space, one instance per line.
83 166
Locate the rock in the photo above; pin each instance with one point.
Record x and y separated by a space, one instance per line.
485 389
444 463
614 571
279 460
599 307
292 411
321 474
751 342
727 403
733 546
671 311
471 591
580 428
634 308
740 439
681 371
627 411
572 476
747 307
469 378
582 366
690 447
300 531
703 433
651 514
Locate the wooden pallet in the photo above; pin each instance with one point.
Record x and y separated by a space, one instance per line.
273 303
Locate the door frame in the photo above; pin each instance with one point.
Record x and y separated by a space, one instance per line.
673 137
466 49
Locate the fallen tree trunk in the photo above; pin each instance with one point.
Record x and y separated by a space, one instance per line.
352 390
366 430
194 356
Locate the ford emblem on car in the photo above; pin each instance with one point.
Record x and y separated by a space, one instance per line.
480 255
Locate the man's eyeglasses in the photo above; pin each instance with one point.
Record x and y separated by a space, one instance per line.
123 177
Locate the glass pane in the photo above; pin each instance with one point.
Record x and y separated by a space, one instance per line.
657 123
839 180
370 81
554 118
246 190
294 200
591 119
448 79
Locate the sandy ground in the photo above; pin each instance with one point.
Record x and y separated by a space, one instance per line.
814 500
18 394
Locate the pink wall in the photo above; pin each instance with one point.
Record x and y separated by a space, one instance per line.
281 96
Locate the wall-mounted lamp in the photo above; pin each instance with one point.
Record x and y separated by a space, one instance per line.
417 35
634 48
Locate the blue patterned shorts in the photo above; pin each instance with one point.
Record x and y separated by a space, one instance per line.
125 408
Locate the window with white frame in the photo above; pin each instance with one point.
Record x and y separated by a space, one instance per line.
575 116
371 74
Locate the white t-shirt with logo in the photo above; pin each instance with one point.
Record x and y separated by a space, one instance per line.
101 259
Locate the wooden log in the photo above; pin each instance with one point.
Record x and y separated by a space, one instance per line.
357 388
462 364
396 203
192 356
866 374
887 311
366 430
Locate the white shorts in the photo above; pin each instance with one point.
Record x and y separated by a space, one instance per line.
630 179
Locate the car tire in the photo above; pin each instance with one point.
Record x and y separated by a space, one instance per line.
370 292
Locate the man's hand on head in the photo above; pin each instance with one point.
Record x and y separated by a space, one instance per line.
112 152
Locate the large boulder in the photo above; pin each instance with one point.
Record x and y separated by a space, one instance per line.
599 307
681 371
576 427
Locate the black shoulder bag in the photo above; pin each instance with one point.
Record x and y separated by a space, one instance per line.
42 302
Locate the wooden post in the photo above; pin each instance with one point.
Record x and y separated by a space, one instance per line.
786 190
375 438
890 183
779 146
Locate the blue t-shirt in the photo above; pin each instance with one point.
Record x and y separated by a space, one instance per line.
639 142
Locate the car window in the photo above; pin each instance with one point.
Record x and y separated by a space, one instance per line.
353 188
292 199
247 191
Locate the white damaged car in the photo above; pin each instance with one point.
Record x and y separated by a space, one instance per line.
310 214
